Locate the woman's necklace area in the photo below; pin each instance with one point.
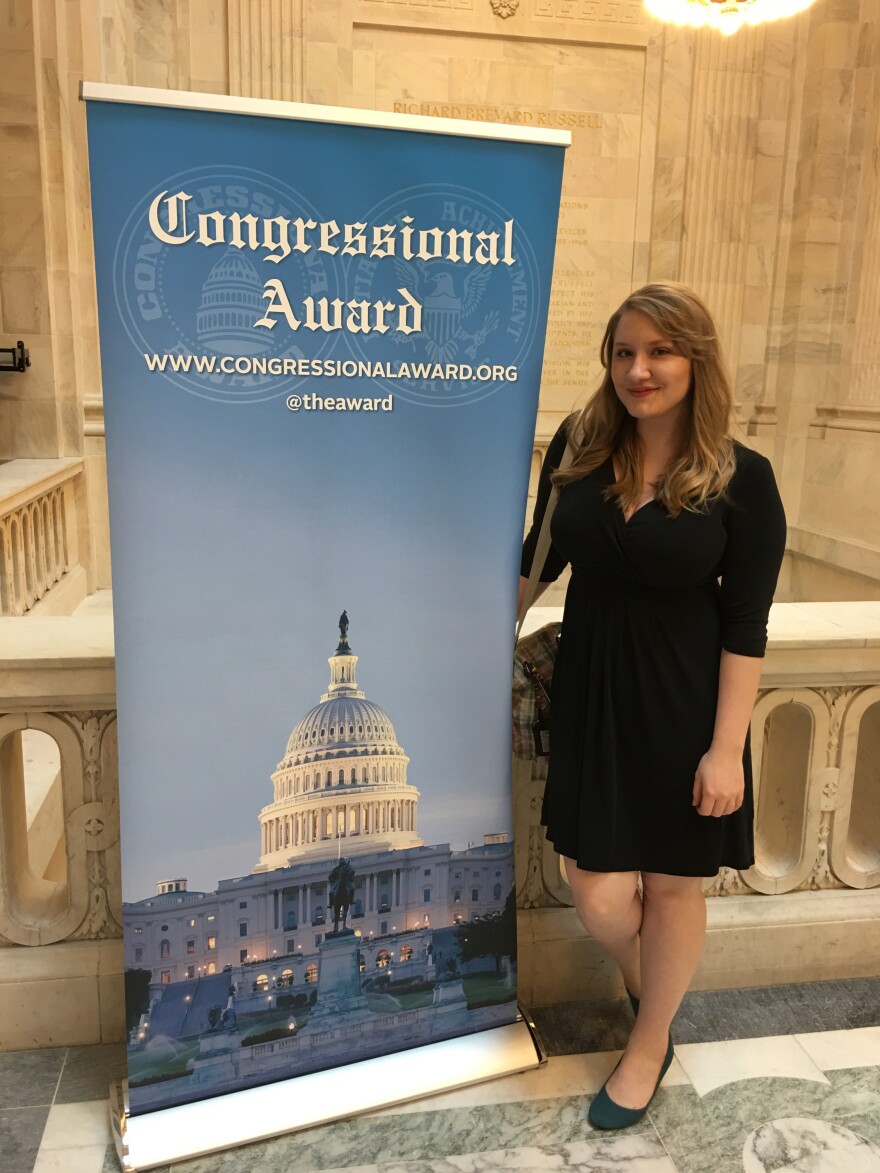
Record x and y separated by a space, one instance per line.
648 493
641 503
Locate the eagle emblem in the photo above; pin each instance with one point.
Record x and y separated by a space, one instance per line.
451 323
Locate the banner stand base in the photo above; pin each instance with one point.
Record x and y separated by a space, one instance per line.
237 1118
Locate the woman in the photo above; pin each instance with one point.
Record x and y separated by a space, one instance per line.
658 666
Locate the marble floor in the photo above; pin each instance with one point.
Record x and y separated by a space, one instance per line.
803 1097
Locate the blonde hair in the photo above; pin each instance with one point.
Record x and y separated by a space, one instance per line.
702 470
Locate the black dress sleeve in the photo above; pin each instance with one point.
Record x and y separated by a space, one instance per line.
755 524
554 563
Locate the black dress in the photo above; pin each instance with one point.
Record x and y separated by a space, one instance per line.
636 680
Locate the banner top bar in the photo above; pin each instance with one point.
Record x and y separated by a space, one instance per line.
304 112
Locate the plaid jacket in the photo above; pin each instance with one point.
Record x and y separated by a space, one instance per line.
539 648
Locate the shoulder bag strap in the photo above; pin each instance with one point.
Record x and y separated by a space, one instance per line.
543 545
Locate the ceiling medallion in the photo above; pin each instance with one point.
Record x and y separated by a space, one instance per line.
725 15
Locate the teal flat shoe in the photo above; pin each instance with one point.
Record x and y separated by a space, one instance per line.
633 1001
605 1114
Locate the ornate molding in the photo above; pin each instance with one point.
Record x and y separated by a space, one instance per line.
728 882
93 416
88 904
630 12
762 419
504 8
835 550
854 869
847 417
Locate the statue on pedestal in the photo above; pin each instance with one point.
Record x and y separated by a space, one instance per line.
341 891
219 1055
220 1019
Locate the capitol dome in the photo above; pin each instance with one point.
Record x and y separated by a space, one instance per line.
341 723
342 777
231 302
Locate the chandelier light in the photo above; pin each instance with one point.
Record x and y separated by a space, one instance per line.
725 15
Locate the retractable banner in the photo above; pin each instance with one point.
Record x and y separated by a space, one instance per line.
321 340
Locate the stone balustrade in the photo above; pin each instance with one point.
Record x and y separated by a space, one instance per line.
58 678
809 908
62 896
40 512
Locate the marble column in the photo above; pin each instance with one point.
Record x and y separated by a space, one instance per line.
265 48
721 162
863 387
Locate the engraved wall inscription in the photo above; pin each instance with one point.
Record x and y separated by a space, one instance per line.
514 116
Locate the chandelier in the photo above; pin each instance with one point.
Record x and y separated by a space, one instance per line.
725 15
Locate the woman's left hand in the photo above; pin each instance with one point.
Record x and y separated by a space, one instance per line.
719 785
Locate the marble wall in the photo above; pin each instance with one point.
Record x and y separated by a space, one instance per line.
828 412
29 423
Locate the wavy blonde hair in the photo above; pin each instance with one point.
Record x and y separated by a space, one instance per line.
702 470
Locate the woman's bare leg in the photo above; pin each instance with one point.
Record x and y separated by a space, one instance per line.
672 932
610 909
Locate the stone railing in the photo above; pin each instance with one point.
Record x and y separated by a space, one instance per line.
58 679
59 864
40 508
809 908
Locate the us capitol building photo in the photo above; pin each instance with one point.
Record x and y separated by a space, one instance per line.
340 789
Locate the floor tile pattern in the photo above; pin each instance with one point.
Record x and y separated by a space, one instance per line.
833 1049
643 1154
708 1135
20 1132
709 1066
30 1078
89 1071
799 1145
708 1016
804 1098
578 1028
